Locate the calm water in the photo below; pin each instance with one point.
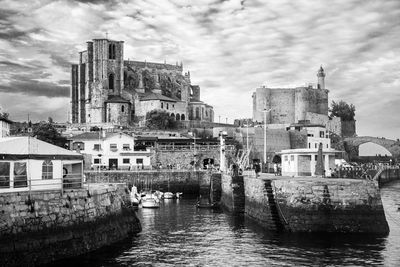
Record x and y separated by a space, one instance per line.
178 234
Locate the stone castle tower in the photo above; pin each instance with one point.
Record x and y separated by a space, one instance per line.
291 105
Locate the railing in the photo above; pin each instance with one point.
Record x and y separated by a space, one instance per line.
193 147
21 183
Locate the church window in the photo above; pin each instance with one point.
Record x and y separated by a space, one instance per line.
167 106
182 117
122 108
162 105
111 81
111 51
47 170
197 113
178 117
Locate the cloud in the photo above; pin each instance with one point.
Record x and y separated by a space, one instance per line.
230 47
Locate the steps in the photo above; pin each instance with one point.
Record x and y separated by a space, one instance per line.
274 208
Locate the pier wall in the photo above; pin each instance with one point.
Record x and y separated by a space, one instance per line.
388 175
309 204
174 181
42 227
232 195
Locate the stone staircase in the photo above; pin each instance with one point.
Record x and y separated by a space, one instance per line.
276 213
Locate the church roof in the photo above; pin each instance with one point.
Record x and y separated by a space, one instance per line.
116 99
154 96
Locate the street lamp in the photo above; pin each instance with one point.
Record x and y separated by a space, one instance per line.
265 134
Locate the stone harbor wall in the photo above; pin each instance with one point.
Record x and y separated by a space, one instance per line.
41 227
185 181
232 195
315 205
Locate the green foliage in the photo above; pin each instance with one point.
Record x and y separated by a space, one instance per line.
148 80
47 132
4 115
160 119
343 110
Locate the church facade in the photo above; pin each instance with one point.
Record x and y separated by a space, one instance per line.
105 88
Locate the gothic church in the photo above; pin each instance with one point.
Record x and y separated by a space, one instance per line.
105 88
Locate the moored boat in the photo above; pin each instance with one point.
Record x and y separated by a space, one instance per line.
150 201
168 195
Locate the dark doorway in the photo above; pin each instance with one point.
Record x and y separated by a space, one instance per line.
277 159
113 164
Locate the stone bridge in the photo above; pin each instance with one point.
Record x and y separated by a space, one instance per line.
351 144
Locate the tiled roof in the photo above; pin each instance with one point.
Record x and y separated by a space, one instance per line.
154 96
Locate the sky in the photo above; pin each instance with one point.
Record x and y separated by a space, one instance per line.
230 47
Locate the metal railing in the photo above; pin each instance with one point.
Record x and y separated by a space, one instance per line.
22 183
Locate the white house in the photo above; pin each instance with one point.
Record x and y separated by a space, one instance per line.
29 164
4 127
111 150
302 161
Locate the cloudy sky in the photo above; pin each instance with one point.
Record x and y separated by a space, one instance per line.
230 47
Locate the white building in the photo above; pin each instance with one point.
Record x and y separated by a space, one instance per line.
303 161
4 127
29 164
111 151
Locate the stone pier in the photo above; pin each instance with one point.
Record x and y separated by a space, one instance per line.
41 227
308 204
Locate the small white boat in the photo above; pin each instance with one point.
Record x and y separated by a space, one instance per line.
149 201
178 195
169 195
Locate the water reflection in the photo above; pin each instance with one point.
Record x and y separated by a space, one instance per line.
180 234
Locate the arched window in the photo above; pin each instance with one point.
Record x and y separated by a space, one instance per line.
47 170
198 113
172 115
162 105
111 51
111 81
167 105
182 117
122 108
178 117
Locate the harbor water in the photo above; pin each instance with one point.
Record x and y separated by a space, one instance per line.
178 234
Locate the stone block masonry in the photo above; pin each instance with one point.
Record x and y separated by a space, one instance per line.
41 227
315 205
174 181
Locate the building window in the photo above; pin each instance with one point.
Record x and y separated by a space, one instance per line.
4 174
167 106
321 134
162 105
309 145
316 157
315 145
126 147
111 81
111 51
47 170
139 161
122 108
327 146
291 157
173 106
20 176
96 161
182 117
78 146
285 158
126 161
113 147
97 147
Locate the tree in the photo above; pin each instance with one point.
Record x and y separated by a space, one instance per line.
343 110
50 120
4 115
45 131
160 119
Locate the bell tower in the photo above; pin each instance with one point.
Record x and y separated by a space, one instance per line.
321 78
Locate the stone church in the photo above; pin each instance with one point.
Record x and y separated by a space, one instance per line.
105 88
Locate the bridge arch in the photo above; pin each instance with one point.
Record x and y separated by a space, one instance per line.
351 144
